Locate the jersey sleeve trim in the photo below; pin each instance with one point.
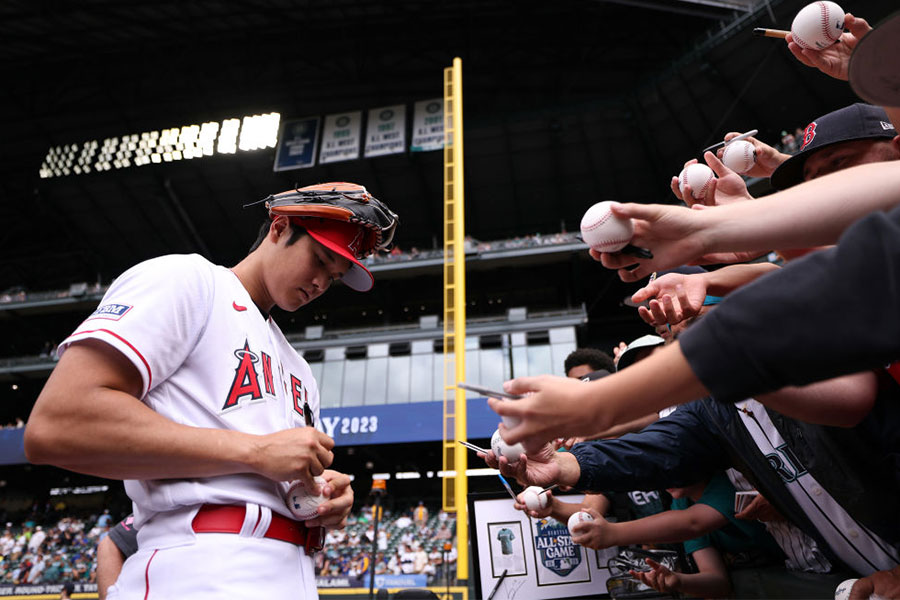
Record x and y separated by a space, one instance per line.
93 333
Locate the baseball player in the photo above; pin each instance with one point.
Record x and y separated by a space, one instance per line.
183 385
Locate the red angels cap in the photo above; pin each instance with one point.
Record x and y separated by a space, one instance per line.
343 238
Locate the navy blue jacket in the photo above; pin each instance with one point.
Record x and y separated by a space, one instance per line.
707 436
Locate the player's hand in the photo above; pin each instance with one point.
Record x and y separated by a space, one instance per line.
333 512
617 352
539 468
767 158
674 234
592 534
537 514
659 577
883 584
296 453
834 60
760 509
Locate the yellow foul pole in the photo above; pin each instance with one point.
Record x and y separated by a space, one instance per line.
455 485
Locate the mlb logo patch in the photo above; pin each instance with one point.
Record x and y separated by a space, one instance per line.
111 312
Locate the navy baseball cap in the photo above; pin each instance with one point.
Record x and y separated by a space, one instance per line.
855 122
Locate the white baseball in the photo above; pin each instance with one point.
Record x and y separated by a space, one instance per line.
739 156
818 25
698 177
603 231
501 448
535 498
300 502
576 518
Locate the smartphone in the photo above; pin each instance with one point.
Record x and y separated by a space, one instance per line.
743 499
488 392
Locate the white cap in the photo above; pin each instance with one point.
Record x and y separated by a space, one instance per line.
629 354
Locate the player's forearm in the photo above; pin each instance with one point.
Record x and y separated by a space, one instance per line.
723 281
114 435
813 213
839 402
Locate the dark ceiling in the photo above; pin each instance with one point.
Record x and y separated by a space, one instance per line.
566 103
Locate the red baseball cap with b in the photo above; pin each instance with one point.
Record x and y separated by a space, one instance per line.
344 239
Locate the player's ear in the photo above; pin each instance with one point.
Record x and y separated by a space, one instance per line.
280 227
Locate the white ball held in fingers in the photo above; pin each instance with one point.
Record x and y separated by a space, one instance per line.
699 177
818 25
535 498
300 502
739 156
579 517
603 231
501 448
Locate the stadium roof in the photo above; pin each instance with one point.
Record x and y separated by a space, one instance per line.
566 103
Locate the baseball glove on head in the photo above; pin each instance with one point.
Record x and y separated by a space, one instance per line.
343 202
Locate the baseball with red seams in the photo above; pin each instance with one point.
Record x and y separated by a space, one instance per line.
300 502
535 498
818 25
698 177
576 518
501 448
739 156
603 231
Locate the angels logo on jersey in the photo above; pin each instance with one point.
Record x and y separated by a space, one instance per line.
246 384
246 377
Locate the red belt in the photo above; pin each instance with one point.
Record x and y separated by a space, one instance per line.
214 518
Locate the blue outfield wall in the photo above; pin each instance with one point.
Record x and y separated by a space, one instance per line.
12 446
358 425
398 423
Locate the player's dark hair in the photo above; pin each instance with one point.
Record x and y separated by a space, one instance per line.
297 232
591 357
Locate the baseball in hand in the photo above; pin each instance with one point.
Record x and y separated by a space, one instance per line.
300 502
603 231
576 518
535 498
739 156
818 25
698 177
501 448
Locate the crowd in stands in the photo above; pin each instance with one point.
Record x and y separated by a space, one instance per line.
63 551
16 423
408 543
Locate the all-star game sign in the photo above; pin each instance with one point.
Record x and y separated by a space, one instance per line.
556 550
539 558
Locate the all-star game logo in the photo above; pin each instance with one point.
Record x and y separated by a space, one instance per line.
555 547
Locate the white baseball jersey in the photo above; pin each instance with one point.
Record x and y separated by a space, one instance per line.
208 358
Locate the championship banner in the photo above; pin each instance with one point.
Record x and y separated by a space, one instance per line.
297 141
340 137
386 131
428 125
